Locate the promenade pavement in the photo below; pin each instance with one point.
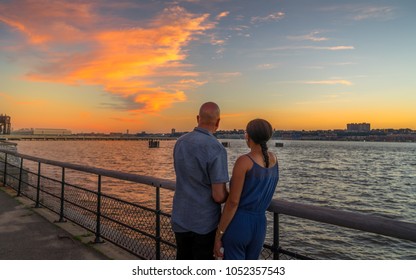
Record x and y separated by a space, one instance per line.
27 233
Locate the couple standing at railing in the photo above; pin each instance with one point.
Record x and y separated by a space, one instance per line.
202 232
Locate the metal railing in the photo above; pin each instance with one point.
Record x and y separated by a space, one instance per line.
76 193
80 194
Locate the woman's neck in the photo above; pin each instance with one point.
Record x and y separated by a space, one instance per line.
255 148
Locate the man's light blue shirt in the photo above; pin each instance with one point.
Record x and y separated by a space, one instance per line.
200 160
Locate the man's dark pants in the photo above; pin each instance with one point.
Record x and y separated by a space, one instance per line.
193 246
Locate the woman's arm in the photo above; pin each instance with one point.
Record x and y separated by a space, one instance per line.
242 165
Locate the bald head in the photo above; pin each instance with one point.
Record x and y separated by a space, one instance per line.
209 116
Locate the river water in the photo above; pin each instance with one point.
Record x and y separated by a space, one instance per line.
366 177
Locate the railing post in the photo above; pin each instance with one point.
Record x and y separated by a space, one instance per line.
276 242
19 189
98 225
5 169
62 214
37 205
158 222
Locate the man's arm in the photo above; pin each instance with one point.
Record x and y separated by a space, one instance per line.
219 192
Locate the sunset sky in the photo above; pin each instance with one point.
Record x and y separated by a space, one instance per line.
113 66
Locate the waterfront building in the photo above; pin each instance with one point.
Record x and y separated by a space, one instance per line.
358 127
43 131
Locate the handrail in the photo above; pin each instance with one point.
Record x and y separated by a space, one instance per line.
142 179
347 219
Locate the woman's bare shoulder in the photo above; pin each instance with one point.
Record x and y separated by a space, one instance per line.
272 158
244 161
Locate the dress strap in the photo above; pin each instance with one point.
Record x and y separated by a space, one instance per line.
250 158
275 157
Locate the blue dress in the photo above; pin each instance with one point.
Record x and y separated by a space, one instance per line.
244 237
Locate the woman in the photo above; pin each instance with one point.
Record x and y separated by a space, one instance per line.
242 228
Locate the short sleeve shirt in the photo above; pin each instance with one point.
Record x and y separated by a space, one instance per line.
200 160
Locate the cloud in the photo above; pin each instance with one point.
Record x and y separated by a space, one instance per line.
241 30
335 48
216 41
185 84
45 21
343 63
225 77
329 82
17 25
157 101
309 37
266 66
271 17
359 12
222 15
373 12
313 36
325 48
140 60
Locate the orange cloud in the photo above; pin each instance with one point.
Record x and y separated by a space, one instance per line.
222 15
142 64
33 38
46 21
155 102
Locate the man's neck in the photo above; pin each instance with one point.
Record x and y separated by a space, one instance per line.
210 128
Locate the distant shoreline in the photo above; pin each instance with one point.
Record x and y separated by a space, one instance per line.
351 138
375 135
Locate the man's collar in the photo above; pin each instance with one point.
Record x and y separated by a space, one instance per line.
202 130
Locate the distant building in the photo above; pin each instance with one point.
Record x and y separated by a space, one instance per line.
5 124
43 131
358 127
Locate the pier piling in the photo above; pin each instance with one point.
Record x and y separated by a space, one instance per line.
154 143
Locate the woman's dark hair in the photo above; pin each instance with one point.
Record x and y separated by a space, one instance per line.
260 131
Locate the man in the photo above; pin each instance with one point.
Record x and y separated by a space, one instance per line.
201 170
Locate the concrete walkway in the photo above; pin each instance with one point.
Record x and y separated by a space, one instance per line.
30 234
